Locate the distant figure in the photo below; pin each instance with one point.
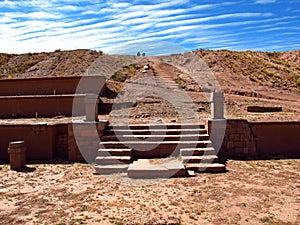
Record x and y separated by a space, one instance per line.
144 54
138 54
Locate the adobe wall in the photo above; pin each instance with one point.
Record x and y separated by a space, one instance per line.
45 106
51 85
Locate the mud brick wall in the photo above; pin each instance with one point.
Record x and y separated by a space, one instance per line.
83 140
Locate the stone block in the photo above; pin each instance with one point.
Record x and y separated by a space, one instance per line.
230 145
217 105
239 144
241 151
235 137
91 107
75 155
17 155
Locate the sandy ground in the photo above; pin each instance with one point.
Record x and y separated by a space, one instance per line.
251 192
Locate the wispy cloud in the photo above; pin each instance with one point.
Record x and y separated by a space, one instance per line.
46 25
264 1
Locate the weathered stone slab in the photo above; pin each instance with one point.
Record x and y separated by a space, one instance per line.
111 169
144 169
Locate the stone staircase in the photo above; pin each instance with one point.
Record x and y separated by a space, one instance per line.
158 150
163 80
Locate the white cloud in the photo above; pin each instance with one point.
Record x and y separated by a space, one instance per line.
51 24
7 3
264 1
68 8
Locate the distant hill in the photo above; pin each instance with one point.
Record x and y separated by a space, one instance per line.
58 63
280 70
271 69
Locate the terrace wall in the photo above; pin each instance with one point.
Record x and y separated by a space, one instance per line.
52 85
245 140
39 139
278 138
242 140
46 141
43 105
47 97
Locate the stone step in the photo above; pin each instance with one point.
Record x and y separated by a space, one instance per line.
191 173
200 159
172 136
111 160
164 81
111 169
143 169
155 131
169 85
156 126
165 84
197 151
138 145
114 152
167 137
206 167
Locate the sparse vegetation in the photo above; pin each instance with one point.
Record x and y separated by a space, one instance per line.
126 73
47 64
273 69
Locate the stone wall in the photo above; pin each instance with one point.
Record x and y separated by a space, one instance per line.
48 141
240 139
280 139
233 138
52 85
47 97
43 106
84 139
39 140
61 141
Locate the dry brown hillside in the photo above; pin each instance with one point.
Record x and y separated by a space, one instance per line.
271 69
58 63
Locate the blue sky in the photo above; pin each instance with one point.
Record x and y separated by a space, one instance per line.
119 26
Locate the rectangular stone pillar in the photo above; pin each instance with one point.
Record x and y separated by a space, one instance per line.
91 107
217 105
17 155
